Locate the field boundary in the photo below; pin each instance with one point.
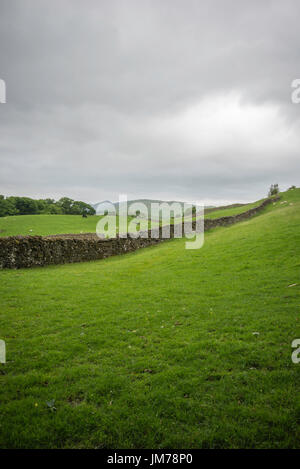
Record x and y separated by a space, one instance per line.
29 251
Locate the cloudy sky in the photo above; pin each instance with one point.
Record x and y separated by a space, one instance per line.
186 100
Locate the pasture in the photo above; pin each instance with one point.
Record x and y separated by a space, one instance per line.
160 348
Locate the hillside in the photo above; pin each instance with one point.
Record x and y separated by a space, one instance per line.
196 345
57 224
230 210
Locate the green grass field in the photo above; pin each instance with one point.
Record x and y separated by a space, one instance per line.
161 348
47 224
228 212
44 225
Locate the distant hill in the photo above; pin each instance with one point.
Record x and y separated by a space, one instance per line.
106 204
102 206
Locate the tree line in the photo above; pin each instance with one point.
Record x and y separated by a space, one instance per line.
27 206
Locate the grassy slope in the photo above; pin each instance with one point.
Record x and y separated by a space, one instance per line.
156 348
227 212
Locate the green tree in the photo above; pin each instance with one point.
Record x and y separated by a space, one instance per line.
24 205
274 189
79 208
7 207
66 204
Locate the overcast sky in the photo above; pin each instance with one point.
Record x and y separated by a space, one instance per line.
186 100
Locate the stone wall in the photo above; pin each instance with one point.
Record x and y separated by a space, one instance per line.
29 251
224 221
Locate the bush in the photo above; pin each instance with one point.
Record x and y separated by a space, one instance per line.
274 189
28 206
7 207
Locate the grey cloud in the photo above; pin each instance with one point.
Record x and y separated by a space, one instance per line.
124 96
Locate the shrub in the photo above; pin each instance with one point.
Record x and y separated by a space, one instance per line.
274 189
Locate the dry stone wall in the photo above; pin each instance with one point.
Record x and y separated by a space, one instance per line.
28 251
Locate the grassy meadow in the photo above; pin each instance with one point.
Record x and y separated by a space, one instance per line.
47 224
161 348
230 211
